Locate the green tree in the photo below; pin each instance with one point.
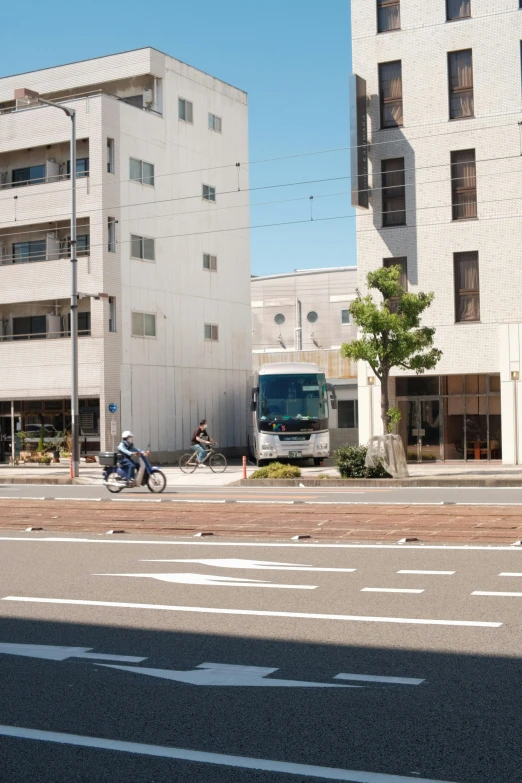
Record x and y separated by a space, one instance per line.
391 331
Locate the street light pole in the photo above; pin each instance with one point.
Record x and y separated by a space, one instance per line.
31 97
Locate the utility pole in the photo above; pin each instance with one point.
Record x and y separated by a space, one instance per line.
28 98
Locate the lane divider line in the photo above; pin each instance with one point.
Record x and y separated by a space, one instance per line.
508 573
432 573
203 757
390 590
498 594
254 612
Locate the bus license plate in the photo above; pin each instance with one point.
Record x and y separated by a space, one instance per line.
295 454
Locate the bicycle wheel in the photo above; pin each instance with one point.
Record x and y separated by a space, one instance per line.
156 481
218 463
113 483
185 463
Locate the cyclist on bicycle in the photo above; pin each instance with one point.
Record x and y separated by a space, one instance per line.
201 440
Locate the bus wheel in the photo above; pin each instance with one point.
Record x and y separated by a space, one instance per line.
318 461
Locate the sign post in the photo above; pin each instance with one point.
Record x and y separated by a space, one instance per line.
112 409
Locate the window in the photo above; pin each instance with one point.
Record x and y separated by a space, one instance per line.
211 332
82 168
279 319
110 156
209 262
112 313
403 279
141 171
393 192
460 78
458 9
29 251
403 263
84 324
467 292
82 245
142 247
347 414
388 15
312 317
214 123
209 193
463 185
143 325
111 232
32 327
345 317
185 110
31 175
390 93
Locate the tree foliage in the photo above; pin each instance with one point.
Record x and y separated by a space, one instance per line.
391 334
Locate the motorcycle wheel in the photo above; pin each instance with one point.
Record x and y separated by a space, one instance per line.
156 482
113 484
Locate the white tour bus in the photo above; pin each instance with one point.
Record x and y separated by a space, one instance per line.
289 410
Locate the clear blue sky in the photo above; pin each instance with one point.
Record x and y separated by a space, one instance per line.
291 56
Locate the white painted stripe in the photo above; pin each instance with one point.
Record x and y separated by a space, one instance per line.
374 678
139 542
502 595
91 500
508 573
267 502
389 590
435 573
253 612
179 500
202 757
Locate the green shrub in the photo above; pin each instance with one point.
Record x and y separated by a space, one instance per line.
276 470
350 463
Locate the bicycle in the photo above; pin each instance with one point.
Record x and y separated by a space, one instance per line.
216 461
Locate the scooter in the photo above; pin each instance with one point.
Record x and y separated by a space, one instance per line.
114 475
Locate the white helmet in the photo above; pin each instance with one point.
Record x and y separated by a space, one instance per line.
127 434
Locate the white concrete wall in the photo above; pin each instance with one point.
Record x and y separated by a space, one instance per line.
430 237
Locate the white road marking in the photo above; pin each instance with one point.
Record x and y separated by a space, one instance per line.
268 502
49 653
502 595
375 678
254 612
214 581
138 542
389 590
508 573
434 573
258 565
222 674
202 757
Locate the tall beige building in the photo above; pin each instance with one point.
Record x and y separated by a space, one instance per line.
443 93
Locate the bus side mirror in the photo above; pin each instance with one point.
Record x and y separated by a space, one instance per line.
255 392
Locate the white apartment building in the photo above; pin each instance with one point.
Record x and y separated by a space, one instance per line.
443 109
304 316
164 308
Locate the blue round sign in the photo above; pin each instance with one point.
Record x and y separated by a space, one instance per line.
113 407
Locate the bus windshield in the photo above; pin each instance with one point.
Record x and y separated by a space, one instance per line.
292 403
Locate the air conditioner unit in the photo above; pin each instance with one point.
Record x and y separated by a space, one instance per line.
148 97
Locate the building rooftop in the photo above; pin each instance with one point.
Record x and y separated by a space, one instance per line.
302 272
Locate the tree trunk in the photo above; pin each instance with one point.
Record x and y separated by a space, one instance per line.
385 402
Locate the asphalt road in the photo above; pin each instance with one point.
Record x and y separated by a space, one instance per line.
384 495
152 665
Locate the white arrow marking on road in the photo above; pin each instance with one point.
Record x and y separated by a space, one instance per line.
213 581
224 674
259 565
62 653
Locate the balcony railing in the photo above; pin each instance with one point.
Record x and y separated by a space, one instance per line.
42 335
46 179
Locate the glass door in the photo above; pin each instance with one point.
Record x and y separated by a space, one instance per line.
429 431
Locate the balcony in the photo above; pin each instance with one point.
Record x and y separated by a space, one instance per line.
42 320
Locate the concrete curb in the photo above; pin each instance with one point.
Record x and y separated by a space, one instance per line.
436 481
42 480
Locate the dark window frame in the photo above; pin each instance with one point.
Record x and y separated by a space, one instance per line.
208 193
392 192
30 332
383 5
456 91
465 292
459 192
28 180
33 252
389 101
450 18
211 333
352 416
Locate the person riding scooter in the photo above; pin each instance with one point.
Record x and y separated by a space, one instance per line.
125 451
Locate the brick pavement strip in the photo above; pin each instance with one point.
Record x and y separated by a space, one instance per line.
487 524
